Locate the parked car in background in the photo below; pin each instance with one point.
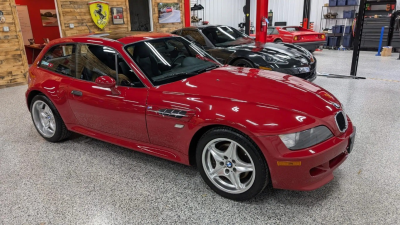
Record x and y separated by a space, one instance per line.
308 39
232 47
168 9
163 95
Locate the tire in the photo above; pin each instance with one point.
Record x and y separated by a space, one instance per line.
243 63
47 120
239 176
278 41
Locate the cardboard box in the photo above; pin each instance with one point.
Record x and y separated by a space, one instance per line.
387 51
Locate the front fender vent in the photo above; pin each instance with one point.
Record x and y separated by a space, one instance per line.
172 113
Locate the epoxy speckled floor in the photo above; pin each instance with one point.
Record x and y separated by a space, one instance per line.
85 181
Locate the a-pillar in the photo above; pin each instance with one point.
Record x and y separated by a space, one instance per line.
262 14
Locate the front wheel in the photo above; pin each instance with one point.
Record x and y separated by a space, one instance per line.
231 164
243 63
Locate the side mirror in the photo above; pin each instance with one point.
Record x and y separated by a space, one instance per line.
105 82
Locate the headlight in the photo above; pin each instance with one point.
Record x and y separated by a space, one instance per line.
273 59
306 138
304 69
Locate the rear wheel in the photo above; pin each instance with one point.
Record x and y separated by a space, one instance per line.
243 63
278 41
231 164
47 120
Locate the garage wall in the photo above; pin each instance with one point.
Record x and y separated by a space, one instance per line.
315 15
291 11
13 63
38 30
287 10
222 12
77 12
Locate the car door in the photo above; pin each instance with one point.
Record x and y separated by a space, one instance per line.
120 112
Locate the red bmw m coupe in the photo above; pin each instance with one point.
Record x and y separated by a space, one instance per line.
162 95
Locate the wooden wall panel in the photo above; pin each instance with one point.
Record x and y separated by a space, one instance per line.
13 62
77 12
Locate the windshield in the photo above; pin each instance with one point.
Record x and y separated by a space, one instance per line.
171 59
224 36
292 29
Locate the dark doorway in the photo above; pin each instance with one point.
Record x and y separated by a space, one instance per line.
140 15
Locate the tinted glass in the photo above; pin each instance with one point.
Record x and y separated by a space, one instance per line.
60 59
95 61
224 36
167 60
195 35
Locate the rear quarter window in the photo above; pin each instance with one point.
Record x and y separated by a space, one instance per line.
60 59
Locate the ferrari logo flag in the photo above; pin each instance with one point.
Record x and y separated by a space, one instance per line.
100 12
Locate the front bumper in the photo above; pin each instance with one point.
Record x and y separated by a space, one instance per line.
310 168
311 46
311 76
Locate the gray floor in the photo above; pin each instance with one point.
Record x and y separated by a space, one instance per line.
85 181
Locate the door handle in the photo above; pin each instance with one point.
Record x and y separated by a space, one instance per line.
77 93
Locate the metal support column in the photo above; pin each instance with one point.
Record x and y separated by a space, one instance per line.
391 27
306 14
357 38
247 16
187 13
262 14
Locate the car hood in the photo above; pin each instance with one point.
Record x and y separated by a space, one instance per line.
258 87
285 51
273 48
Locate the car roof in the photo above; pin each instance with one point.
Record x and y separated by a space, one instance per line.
123 38
200 27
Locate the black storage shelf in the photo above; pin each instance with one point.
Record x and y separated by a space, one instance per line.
327 20
372 33
380 2
337 18
340 6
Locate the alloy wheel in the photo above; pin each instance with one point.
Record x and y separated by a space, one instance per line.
228 165
43 119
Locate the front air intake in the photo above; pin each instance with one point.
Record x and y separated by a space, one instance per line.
341 121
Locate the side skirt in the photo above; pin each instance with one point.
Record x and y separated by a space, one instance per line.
147 148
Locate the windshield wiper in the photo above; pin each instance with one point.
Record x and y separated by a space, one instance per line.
184 75
187 74
207 69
